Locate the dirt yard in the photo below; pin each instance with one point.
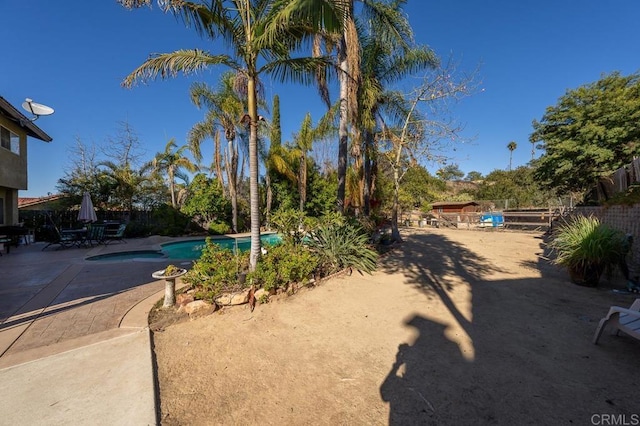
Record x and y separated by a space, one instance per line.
455 327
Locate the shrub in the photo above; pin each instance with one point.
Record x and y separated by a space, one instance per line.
219 228
585 240
292 225
216 271
282 265
342 246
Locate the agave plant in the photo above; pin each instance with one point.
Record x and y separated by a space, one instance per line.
587 248
340 246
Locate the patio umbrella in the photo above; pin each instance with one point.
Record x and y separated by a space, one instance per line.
87 213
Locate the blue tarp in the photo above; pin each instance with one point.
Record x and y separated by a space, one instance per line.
493 219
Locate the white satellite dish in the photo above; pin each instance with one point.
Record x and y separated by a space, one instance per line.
36 109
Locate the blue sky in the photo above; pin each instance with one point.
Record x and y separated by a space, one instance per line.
73 55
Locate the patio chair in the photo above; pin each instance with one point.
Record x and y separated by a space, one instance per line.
53 236
114 234
95 234
621 319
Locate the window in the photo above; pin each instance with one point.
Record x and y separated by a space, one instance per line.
9 140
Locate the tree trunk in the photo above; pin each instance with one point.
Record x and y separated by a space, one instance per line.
302 181
366 189
217 161
343 143
254 196
232 178
269 200
395 232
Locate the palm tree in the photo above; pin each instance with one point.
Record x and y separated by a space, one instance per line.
385 21
261 34
124 182
388 56
511 146
225 108
171 161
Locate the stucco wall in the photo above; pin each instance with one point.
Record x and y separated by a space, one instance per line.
623 218
13 167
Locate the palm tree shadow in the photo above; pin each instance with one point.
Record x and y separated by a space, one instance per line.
526 334
435 265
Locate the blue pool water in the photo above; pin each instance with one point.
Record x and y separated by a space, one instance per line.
187 249
192 249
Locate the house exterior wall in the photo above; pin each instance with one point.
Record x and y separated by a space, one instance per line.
13 174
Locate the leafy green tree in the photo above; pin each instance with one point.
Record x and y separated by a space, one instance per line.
591 131
205 202
419 187
172 161
473 176
450 172
261 34
519 186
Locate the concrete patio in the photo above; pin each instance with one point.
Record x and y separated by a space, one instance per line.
74 342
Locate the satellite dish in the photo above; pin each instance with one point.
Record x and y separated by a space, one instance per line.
36 109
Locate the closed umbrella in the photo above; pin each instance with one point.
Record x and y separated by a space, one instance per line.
87 213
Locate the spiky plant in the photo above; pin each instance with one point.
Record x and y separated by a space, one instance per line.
584 243
342 246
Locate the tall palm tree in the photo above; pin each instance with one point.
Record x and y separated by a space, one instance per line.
225 108
511 146
389 55
171 161
260 34
385 19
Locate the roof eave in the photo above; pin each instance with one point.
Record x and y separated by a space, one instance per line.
13 114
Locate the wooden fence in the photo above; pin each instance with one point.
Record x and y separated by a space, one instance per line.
513 219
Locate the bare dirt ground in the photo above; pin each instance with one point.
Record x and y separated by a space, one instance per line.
456 327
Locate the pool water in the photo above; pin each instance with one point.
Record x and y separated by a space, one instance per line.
188 249
192 249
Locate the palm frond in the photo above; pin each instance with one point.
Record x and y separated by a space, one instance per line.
171 64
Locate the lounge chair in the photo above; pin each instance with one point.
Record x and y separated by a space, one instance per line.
53 236
621 319
114 234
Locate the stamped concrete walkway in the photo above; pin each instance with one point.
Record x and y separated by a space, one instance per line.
74 342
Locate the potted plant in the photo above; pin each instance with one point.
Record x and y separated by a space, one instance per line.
588 248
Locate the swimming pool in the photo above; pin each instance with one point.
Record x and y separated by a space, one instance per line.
192 249
186 249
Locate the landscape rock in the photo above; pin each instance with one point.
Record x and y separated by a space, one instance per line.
184 298
233 299
198 308
260 294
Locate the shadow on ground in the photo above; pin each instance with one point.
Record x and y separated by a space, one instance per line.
521 353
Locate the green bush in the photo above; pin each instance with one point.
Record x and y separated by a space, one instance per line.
219 228
292 225
342 246
216 271
282 265
169 221
585 240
